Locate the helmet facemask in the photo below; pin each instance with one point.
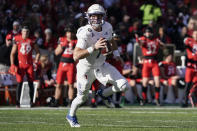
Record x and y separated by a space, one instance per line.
96 20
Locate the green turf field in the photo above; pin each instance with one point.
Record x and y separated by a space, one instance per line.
131 118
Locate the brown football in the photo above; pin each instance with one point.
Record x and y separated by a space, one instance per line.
107 49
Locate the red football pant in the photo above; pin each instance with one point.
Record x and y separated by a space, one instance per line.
66 70
25 69
148 66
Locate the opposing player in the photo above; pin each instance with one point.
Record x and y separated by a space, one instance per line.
24 45
92 39
169 75
191 69
150 47
66 67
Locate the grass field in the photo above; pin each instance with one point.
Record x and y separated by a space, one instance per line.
130 118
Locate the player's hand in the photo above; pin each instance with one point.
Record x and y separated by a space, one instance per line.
13 69
101 43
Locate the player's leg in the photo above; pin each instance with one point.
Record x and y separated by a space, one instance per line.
71 80
145 79
192 95
164 83
60 77
156 74
132 83
18 93
188 79
84 82
113 76
157 90
19 79
173 82
30 76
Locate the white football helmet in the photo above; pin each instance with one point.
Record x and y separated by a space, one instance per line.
96 9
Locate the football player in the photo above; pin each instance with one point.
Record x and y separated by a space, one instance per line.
24 45
169 76
66 67
191 67
150 46
92 39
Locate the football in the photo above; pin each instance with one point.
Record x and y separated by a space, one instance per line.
108 49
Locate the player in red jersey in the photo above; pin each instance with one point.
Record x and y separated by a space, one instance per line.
169 76
24 45
191 67
66 67
150 47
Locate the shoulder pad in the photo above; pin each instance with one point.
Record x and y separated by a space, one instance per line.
84 32
107 25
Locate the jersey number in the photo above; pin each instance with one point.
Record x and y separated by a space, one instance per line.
151 48
69 49
25 48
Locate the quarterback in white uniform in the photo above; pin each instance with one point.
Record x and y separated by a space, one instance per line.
92 39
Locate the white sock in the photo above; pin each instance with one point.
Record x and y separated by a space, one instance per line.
75 104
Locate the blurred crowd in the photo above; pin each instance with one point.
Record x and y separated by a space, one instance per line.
171 20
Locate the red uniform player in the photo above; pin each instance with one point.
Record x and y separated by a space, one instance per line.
150 47
191 69
169 76
24 45
66 67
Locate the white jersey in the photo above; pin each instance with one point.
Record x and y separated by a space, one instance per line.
87 37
